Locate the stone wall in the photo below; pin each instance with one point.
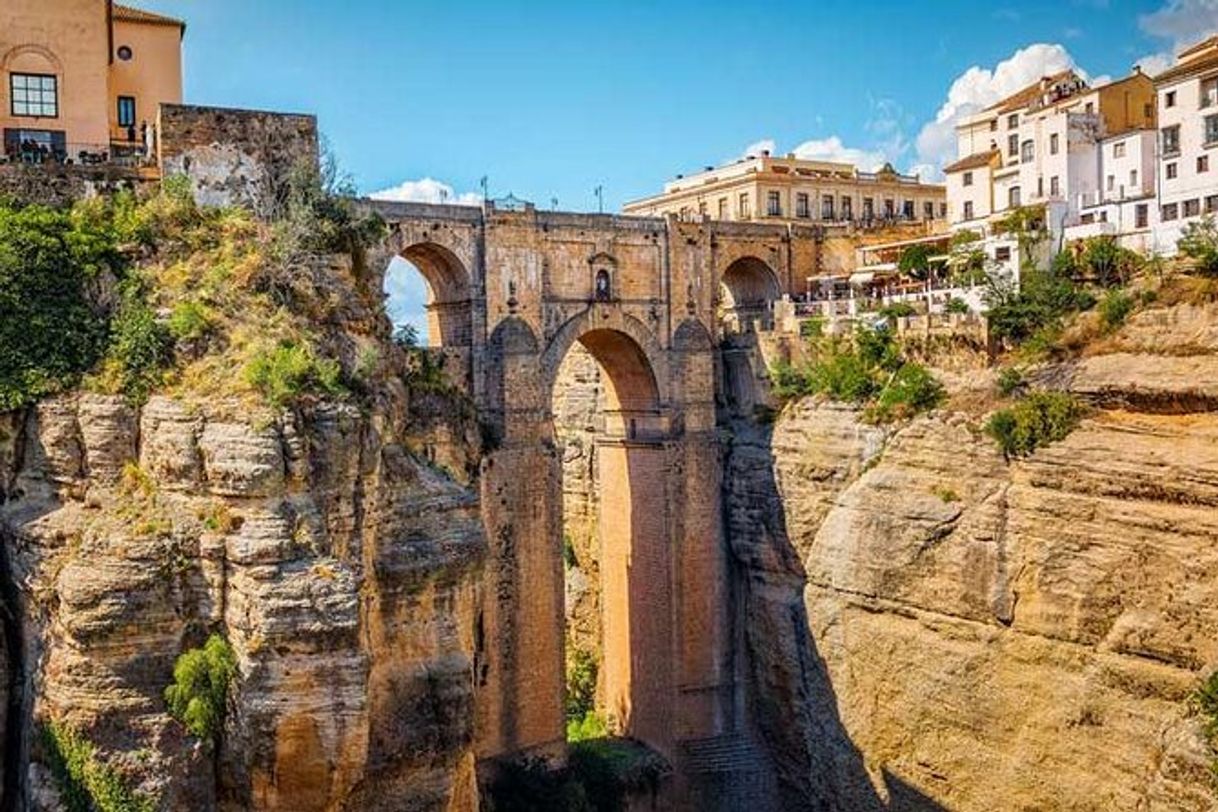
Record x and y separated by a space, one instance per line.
61 185
235 157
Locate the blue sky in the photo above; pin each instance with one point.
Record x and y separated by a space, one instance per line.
550 99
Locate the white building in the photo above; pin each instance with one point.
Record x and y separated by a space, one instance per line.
1083 154
1188 141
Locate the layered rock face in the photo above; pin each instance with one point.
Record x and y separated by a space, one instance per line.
991 635
341 569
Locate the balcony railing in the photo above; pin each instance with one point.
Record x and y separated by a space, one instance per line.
129 156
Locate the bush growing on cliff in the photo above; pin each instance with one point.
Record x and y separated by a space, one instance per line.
1037 420
1204 702
1114 308
140 349
198 697
868 371
288 371
85 782
50 334
1199 242
1044 299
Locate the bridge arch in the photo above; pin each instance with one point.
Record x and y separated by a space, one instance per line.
614 532
748 289
448 283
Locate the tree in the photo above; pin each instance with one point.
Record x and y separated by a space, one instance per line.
198 697
1199 242
915 261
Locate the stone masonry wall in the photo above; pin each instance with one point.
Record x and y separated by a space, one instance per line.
235 157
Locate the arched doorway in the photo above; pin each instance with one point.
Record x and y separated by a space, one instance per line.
748 291
618 641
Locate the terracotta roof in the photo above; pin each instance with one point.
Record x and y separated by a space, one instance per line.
1182 69
1029 94
1200 46
138 15
974 161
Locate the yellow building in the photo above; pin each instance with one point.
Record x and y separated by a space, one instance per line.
768 188
81 80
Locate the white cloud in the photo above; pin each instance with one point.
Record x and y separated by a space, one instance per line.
1181 23
758 147
427 190
832 149
978 88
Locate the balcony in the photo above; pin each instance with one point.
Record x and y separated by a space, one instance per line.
124 156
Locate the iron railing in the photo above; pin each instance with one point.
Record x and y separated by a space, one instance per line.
31 153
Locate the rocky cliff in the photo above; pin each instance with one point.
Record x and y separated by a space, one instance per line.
983 634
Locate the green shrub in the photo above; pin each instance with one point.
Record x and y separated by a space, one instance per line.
1037 420
581 685
1204 702
1199 242
85 782
50 334
843 376
406 336
589 726
1114 308
898 310
198 697
1010 379
140 348
190 320
1043 300
787 382
954 305
911 389
289 370
813 327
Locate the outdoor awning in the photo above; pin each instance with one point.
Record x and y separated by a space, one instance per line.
869 272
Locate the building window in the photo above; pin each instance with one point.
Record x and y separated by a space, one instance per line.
1171 140
1211 129
746 210
826 207
907 209
1053 144
1211 204
1209 92
968 178
1040 186
890 208
801 205
1203 164
847 208
1090 108
1133 178
928 210
1012 121
1027 152
34 94
1111 182
1169 98
1192 207
701 209
868 208
1055 186
1013 145
1148 110
1013 197
1170 171
773 204
1118 150
683 214
943 210
723 208
124 53
1141 215
968 210
1170 212
126 111
1002 253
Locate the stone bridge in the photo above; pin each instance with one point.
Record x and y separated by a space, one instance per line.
511 293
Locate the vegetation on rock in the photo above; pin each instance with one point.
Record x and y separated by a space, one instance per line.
1199 242
1204 702
198 697
1037 420
85 782
867 371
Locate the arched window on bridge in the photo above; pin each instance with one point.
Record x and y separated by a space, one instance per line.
427 290
747 294
406 296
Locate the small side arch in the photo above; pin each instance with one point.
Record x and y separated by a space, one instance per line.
748 290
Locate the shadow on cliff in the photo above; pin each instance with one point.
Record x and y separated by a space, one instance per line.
790 691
